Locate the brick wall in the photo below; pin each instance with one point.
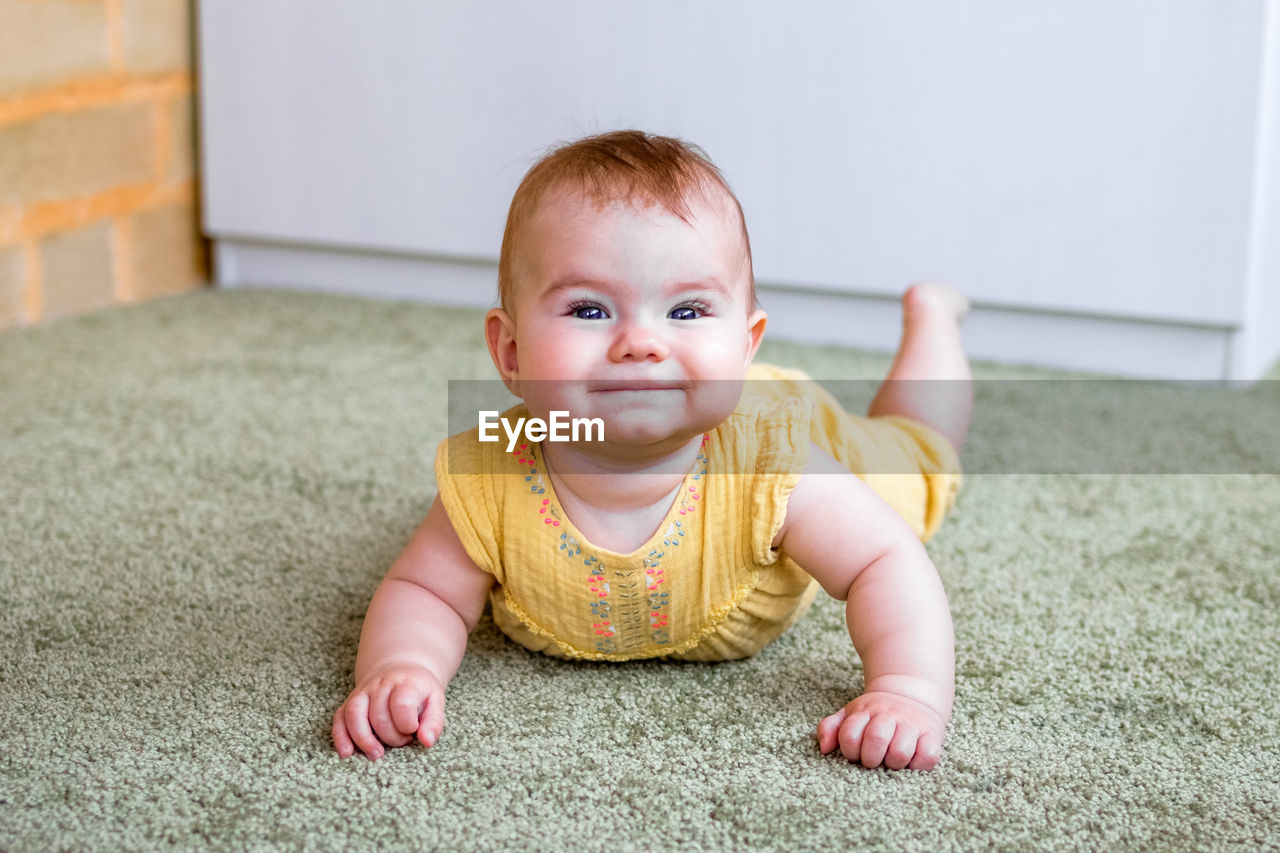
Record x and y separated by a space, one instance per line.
98 189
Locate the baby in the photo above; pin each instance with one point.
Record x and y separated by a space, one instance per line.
699 526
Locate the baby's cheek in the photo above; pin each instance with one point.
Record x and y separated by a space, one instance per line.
717 398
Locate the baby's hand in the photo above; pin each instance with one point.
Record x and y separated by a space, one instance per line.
391 707
880 727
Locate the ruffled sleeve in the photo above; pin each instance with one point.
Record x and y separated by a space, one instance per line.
463 469
769 445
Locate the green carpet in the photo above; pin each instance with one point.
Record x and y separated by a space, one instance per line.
200 494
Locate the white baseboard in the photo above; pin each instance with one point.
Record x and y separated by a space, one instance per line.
1096 344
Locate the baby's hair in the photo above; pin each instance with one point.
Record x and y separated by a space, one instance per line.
628 166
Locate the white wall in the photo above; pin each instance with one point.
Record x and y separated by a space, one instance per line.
1258 344
1079 160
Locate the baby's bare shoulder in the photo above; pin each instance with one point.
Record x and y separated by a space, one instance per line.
436 560
836 525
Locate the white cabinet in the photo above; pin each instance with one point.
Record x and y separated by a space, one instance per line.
1102 177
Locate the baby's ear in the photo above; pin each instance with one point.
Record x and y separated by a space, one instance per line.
500 333
756 322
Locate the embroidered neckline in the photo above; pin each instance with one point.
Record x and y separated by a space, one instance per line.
685 502
624 617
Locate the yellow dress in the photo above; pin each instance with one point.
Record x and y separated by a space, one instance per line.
707 585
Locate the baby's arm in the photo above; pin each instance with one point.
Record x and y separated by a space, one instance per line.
415 633
861 551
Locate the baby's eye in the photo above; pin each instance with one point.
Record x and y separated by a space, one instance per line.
692 311
588 311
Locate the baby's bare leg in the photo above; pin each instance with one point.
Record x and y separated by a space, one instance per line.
930 379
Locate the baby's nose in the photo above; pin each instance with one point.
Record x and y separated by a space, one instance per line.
638 342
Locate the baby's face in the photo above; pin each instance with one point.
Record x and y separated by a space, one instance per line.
632 315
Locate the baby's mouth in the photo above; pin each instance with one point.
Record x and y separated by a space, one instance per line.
637 385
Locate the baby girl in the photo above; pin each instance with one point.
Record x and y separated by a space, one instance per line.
701 523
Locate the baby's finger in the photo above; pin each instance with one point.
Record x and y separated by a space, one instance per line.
406 703
902 748
432 720
356 716
342 740
380 719
876 738
850 735
829 731
928 752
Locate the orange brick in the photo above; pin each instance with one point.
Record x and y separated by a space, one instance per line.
41 219
70 155
181 129
47 42
157 35
168 253
77 271
84 93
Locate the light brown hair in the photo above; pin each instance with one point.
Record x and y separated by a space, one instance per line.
628 166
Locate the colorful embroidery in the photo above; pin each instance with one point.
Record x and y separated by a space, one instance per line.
659 600
597 584
622 611
524 456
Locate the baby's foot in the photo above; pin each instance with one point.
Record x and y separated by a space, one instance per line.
931 300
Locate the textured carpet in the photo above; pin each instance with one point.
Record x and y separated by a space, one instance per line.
200 494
